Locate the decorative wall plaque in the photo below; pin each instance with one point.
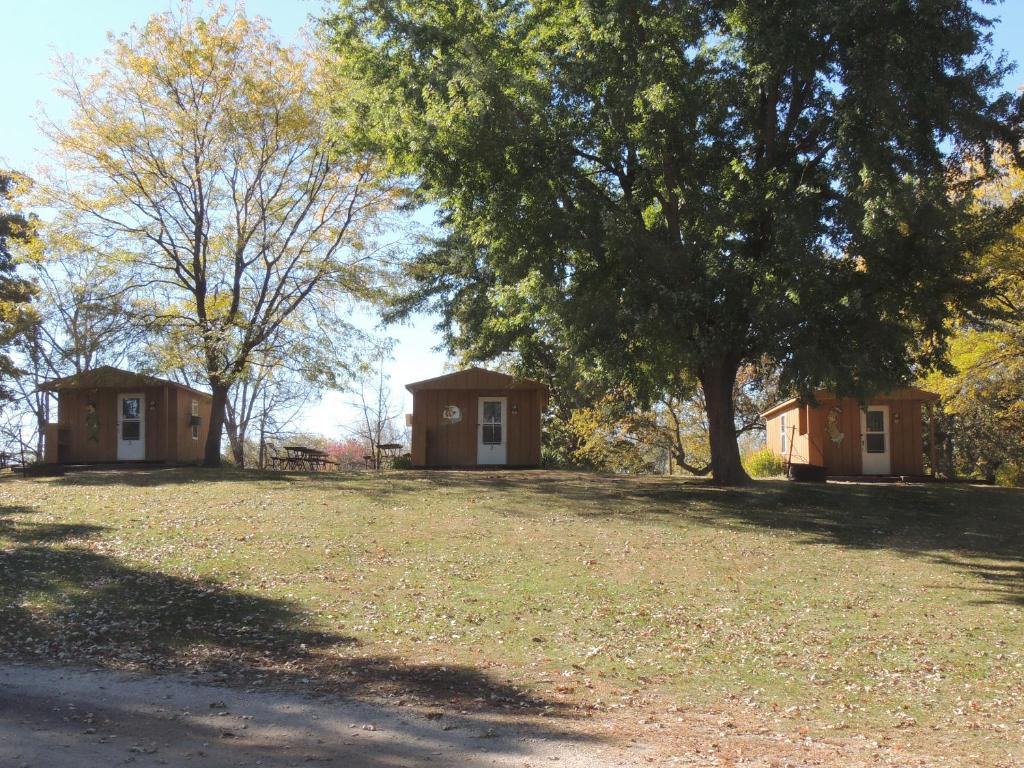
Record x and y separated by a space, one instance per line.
451 414
92 422
832 425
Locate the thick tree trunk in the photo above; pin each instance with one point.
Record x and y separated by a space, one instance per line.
718 381
211 455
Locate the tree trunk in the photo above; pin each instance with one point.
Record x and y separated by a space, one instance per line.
42 418
211 455
718 380
238 450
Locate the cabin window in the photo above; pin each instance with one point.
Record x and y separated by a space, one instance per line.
195 431
195 413
195 407
782 434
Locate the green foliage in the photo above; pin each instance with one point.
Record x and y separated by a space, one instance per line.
16 313
982 418
686 186
402 462
764 463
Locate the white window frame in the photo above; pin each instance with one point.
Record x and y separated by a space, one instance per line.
195 412
782 434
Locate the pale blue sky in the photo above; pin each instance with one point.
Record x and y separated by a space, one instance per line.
34 31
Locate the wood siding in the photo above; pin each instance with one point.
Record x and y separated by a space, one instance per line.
187 449
436 443
906 436
167 434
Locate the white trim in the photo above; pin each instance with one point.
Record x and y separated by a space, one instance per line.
492 453
875 462
131 450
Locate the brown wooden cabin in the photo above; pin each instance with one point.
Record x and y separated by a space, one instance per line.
477 418
885 436
107 415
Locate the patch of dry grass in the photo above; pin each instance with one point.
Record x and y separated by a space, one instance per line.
886 611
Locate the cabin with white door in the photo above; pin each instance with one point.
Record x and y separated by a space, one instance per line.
477 418
107 415
884 436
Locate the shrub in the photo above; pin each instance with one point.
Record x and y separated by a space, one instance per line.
764 463
402 462
1010 475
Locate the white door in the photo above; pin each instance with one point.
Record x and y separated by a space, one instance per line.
874 440
492 432
131 428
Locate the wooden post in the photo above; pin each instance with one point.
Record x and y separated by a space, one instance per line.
931 437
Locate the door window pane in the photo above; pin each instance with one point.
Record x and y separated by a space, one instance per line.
875 442
130 408
875 421
492 434
492 412
130 430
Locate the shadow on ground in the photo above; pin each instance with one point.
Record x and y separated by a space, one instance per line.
978 530
63 600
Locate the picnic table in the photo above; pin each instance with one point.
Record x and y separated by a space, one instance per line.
302 458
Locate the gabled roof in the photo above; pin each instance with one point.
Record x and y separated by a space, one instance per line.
903 393
475 378
108 376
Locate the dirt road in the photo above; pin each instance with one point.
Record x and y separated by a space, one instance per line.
54 718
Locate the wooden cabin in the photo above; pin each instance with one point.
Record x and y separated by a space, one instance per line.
107 415
475 418
885 436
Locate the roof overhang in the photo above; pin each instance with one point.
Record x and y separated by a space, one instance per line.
902 393
107 376
476 378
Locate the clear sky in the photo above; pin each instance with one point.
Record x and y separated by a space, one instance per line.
34 31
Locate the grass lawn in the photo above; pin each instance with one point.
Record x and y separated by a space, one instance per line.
811 611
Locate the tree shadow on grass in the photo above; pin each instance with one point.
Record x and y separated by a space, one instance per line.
62 599
978 530
958 526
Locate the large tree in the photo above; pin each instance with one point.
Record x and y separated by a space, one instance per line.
693 185
196 149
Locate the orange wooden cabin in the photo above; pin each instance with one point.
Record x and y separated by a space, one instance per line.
107 415
885 436
475 418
